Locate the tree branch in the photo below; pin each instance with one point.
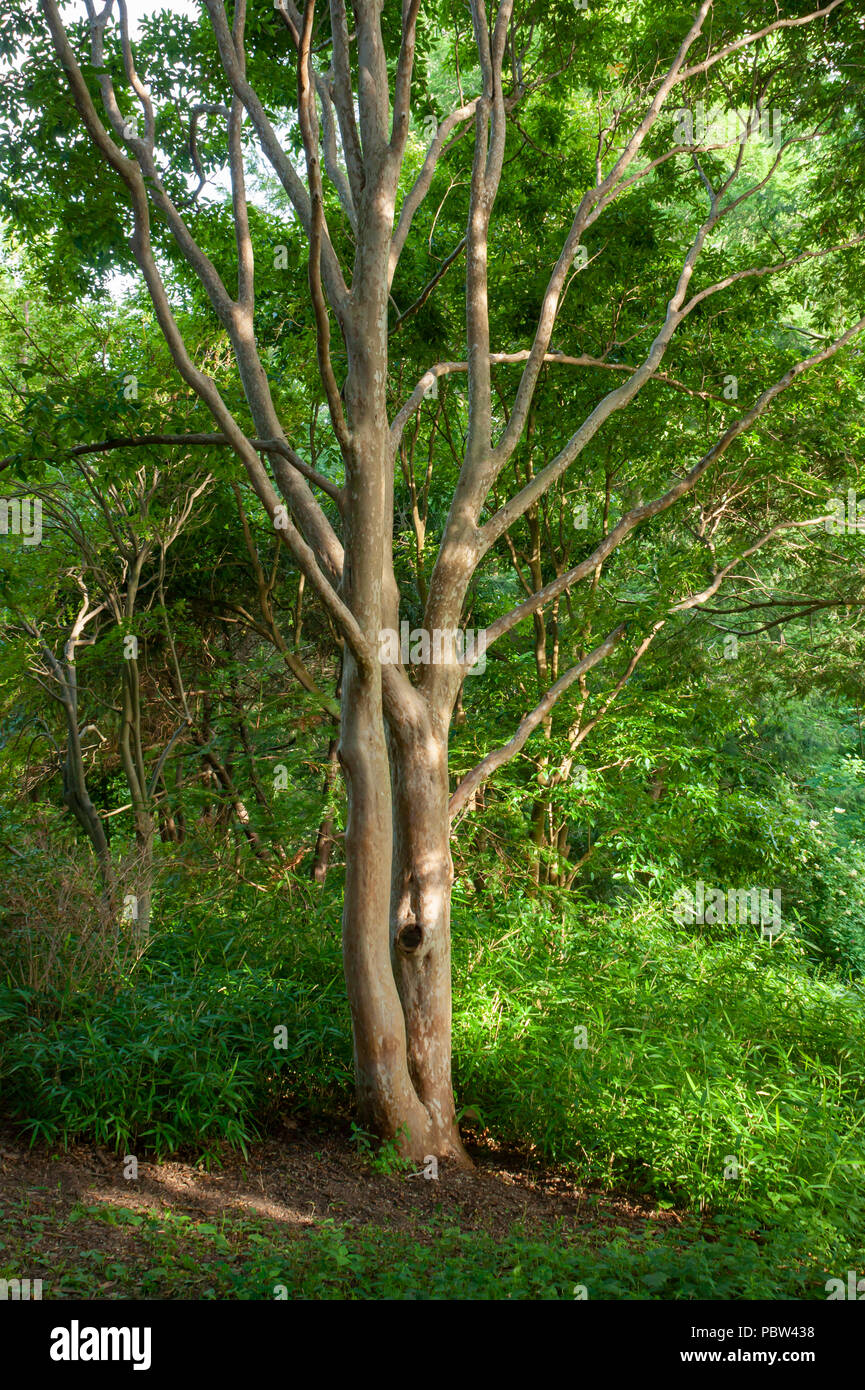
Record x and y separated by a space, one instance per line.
493 761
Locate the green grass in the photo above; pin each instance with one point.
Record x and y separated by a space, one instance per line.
707 1055
116 1252
721 1073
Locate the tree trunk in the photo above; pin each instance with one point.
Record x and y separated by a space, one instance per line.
421 883
396 929
132 760
324 839
386 1098
144 835
77 797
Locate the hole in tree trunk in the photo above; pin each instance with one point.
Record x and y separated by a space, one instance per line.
410 937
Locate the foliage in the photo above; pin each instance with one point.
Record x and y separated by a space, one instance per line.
177 1256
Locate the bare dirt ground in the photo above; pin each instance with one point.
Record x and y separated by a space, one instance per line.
306 1175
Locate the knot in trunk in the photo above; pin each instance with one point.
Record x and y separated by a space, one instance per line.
409 938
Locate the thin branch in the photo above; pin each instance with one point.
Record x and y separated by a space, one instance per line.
496 759
505 517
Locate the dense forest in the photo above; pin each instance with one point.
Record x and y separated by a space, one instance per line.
432 578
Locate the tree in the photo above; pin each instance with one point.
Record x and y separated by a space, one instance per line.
614 73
